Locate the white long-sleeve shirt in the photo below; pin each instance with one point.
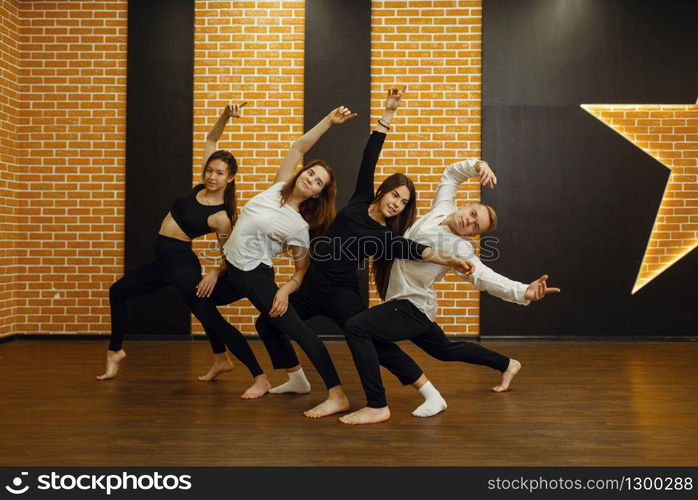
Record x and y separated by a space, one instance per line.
414 280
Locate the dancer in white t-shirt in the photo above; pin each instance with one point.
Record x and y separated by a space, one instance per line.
410 306
285 217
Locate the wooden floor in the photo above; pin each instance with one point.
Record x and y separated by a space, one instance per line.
572 404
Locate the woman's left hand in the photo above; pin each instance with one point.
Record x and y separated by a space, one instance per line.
280 305
487 177
207 284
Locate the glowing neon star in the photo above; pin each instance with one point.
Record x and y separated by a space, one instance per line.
669 134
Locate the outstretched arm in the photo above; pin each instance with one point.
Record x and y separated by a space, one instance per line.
464 267
308 140
404 248
230 111
364 181
459 172
485 279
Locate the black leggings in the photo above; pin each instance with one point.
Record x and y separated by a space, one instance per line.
341 305
259 287
401 320
176 264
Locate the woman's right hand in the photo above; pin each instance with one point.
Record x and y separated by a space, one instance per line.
341 114
207 284
280 304
394 96
233 110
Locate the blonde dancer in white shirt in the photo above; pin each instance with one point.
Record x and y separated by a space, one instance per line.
410 306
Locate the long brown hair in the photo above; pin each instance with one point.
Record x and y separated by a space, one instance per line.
229 199
318 212
380 267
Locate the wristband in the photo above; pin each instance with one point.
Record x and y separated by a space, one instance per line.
383 123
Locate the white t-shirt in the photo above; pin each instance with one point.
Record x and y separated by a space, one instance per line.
264 229
414 280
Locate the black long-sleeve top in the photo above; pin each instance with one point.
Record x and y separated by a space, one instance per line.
354 235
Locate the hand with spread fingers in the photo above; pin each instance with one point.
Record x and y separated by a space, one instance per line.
394 98
487 177
341 114
539 289
233 110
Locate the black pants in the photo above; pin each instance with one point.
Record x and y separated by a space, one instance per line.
340 306
259 287
401 320
176 264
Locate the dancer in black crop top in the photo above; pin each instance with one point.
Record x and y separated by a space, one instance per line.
207 208
191 216
371 225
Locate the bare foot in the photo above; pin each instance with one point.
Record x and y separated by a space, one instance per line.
366 416
114 359
330 406
508 376
260 387
221 365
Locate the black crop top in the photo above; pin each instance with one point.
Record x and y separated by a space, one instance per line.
191 216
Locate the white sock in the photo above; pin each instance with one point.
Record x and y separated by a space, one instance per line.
297 383
433 402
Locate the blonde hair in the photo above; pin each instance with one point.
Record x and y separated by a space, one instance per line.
493 218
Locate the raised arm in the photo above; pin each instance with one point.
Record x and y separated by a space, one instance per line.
303 144
372 151
459 172
217 130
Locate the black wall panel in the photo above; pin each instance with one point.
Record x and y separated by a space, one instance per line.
575 199
158 151
338 72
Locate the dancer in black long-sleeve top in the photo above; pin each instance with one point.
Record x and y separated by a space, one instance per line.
370 225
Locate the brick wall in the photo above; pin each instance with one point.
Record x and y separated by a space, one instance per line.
70 195
62 137
70 138
435 48
9 113
249 51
